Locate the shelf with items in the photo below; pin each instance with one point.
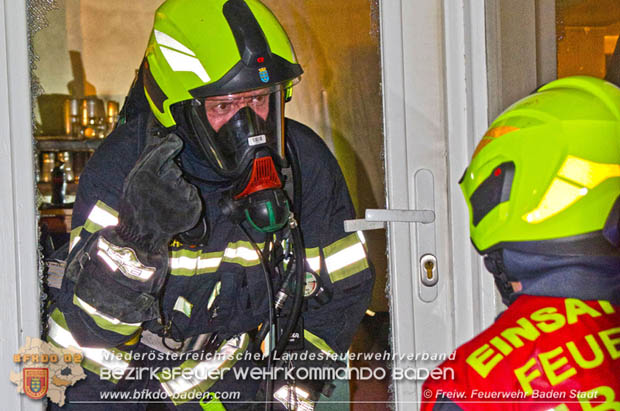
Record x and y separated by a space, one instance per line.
62 143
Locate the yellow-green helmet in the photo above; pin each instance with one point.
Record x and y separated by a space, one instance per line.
545 177
202 48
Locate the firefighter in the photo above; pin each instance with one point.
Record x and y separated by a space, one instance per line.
208 229
543 191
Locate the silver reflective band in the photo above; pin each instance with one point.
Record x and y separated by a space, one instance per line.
102 217
125 259
202 370
247 254
101 356
194 263
343 258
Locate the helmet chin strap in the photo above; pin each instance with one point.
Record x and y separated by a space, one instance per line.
494 262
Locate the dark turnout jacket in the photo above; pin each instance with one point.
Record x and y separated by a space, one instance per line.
219 288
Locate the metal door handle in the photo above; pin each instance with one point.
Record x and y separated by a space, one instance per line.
425 234
376 218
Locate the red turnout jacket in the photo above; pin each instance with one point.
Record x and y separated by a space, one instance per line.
542 353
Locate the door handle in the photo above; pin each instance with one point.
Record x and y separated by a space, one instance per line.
425 251
376 218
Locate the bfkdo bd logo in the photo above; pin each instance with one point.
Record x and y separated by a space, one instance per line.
36 382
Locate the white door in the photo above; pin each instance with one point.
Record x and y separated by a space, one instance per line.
447 66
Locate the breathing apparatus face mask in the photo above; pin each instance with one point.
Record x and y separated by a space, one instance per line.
241 138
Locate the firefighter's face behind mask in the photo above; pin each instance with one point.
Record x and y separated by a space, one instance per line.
241 136
234 130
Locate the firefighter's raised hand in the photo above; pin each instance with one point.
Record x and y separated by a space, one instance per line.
121 270
157 201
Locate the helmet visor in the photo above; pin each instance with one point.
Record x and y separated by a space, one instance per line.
232 129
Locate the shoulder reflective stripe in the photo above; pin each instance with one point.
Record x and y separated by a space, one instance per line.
341 244
101 216
101 356
347 262
106 322
183 306
199 379
75 237
349 270
345 257
318 342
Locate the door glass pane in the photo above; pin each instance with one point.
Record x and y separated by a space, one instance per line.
92 49
587 32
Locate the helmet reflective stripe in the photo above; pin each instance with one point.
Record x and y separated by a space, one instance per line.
165 40
583 175
174 51
182 62
587 173
558 197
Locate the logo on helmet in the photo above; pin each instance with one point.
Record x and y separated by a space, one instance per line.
264 74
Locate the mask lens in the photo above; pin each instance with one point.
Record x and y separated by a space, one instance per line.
231 129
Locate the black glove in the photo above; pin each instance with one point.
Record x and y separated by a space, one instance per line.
157 202
121 270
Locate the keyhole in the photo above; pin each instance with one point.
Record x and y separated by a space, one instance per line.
428 266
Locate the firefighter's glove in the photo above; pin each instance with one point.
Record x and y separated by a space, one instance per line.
157 202
121 270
